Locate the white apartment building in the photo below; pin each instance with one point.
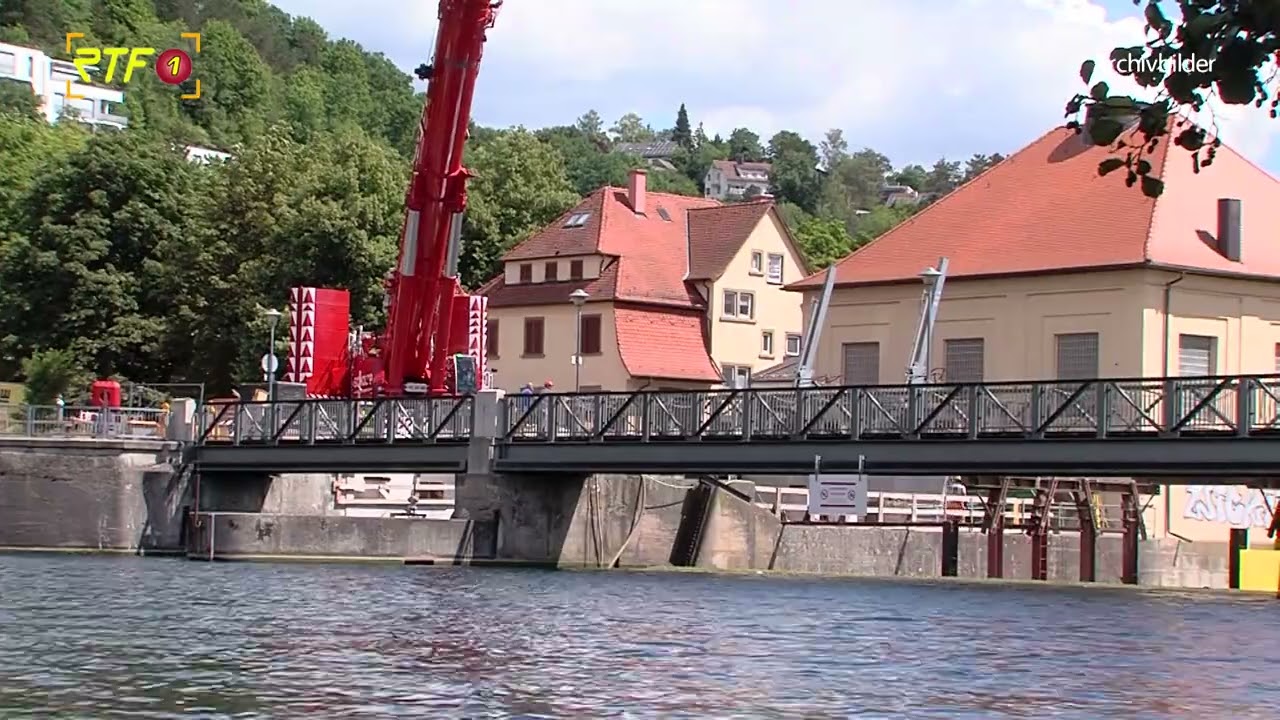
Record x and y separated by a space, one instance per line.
729 180
51 79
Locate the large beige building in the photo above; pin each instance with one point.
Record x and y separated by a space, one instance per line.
1057 272
680 292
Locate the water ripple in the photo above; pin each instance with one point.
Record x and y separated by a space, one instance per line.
92 637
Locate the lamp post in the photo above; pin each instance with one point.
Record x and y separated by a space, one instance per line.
578 298
273 318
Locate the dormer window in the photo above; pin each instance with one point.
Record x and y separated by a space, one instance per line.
577 220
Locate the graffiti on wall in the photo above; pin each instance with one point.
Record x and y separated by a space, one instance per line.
1234 506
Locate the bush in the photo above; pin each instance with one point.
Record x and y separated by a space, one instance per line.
50 373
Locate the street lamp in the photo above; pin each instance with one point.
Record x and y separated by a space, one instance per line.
578 298
269 363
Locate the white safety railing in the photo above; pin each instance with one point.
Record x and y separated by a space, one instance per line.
793 502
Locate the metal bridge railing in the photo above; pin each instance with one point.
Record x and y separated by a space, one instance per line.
84 422
327 421
1101 408
1241 406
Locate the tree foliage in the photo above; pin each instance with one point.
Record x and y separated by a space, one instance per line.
1224 49
120 257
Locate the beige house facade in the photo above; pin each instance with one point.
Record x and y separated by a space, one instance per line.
672 293
1105 324
1059 273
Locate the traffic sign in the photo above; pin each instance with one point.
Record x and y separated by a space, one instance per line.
838 495
269 363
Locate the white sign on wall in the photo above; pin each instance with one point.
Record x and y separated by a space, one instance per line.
838 494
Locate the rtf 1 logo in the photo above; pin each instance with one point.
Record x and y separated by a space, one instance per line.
172 66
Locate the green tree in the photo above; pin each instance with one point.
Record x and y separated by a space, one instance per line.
683 133
1239 38
85 271
823 240
17 99
520 186
979 164
913 176
631 128
795 176
744 146
49 374
833 148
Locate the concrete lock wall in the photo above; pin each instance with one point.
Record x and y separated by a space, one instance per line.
225 536
121 495
93 494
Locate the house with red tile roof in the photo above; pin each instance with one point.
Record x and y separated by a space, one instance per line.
1057 271
676 292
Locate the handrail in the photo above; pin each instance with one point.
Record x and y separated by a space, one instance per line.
1242 406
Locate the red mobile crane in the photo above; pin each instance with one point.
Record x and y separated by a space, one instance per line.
434 340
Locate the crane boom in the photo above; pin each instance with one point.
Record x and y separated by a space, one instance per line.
424 285
432 325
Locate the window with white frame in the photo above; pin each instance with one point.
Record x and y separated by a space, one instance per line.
1077 356
766 343
793 345
963 359
774 273
739 305
736 376
861 363
1197 355
757 262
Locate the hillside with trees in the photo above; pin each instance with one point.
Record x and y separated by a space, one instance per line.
120 257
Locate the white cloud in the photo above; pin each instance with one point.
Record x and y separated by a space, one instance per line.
922 76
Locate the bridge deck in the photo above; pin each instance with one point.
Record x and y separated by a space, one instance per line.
1219 425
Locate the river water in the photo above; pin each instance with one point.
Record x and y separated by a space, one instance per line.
103 637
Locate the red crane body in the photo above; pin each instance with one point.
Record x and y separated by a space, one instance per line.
429 318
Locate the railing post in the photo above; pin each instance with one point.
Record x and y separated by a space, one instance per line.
645 411
748 413
971 409
30 421
307 431
1245 406
1169 406
1102 407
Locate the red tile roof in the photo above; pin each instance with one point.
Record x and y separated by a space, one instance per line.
664 343
650 259
716 234
1045 209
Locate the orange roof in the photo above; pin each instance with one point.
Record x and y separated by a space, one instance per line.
1045 209
716 234
664 343
650 260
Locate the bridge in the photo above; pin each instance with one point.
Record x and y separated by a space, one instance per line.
1222 426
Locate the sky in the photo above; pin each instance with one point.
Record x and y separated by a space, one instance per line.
914 79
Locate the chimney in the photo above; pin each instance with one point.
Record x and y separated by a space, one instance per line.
639 179
1229 228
